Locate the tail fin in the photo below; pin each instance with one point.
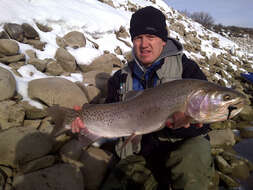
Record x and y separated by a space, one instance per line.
62 117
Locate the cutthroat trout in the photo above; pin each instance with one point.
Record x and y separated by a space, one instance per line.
148 111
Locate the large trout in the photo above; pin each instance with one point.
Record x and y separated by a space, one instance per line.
201 101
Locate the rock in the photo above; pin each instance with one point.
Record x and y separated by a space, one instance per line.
37 164
30 32
15 31
246 114
56 91
43 28
230 182
32 112
95 158
65 59
223 137
35 43
4 35
7 84
75 39
31 53
103 63
19 145
60 177
54 68
16 65
246 132
46 126
240 170
93 94
11 114
13 58
108 2
71 150
3 178
32 123
7 171
222 165
8 47
38 64
231 124
122 33
98 79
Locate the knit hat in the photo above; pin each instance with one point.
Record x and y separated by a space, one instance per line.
148 20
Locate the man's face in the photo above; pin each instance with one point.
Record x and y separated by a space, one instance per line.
148 48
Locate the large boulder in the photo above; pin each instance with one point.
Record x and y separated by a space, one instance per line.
8 47
98 159
74 39
222 138
15 31
30 32
7 84
11 114
19 145
65 59
60 177
103 63
98 79
56 91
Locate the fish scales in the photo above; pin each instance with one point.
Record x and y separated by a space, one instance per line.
201 100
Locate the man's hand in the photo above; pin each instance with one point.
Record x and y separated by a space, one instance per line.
179 120
77 124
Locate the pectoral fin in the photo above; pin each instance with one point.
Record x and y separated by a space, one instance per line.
86 138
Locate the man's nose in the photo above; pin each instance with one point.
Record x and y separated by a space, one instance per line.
144 42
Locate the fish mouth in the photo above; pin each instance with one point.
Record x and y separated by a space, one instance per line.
235 108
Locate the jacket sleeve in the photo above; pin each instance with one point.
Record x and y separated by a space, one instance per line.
113 86
191 69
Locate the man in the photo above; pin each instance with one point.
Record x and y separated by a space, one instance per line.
176 158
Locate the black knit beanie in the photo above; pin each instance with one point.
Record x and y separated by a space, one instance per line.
148 20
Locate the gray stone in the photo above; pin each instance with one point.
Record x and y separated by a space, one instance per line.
38 64
15 31
11 114
98 79
246 132
230 182
7 84
223 165
54 68
13 58
32 112
30 32
8 47
65 59
98 159
43 28
56 91
75 39
223 137
103 63
35 43
37 164
19 145
58 177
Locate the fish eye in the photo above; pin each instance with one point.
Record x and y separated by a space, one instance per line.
226 97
